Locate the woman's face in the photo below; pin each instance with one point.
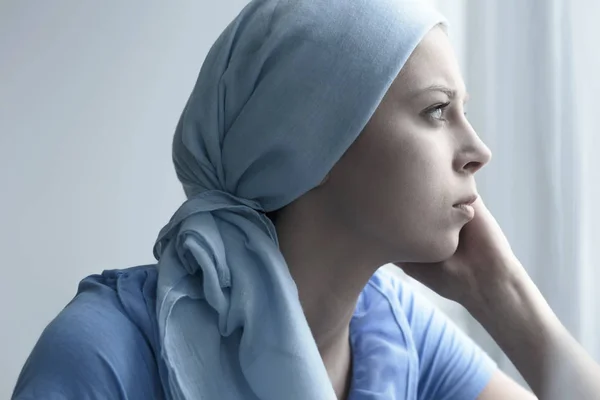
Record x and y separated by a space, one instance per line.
398 184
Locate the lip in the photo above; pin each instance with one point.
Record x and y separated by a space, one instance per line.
467 201
465 206
467 210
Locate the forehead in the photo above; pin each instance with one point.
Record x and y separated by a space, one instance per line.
433 62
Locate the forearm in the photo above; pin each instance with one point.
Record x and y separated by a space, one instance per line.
518 318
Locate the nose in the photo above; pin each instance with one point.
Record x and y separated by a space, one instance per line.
473 154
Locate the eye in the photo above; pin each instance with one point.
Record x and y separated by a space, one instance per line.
436 112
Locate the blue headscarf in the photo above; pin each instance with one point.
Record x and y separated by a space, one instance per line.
282 94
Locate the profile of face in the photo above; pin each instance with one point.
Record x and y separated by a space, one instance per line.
397 186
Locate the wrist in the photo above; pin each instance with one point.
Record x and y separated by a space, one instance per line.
509 295
516 315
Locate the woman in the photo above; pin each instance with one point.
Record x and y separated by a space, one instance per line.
344 121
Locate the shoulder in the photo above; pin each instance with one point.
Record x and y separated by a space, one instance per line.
449 364
390 292
390 285
412 309
101 345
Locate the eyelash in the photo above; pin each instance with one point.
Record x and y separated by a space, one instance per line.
442 107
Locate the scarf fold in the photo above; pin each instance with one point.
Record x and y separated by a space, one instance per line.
282 94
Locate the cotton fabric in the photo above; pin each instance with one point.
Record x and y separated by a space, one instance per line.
105 345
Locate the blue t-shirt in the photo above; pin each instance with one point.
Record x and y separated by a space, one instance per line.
104 345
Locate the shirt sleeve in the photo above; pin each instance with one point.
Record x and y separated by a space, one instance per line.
451 365
90 351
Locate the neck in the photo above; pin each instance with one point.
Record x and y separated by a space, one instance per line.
329 278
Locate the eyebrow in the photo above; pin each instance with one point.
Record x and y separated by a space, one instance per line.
451 93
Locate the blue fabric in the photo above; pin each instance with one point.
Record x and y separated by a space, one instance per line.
282 94
105 345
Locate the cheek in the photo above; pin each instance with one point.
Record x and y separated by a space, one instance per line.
393 173
394 180
417 174
402 211
420 228
411 205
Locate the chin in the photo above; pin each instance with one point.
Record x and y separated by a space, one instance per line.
423 247
442 249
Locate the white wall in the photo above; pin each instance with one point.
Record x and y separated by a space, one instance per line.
584 20
89 95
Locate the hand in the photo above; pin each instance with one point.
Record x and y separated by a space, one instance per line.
485 277
483 259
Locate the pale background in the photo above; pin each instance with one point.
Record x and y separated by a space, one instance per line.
90 93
